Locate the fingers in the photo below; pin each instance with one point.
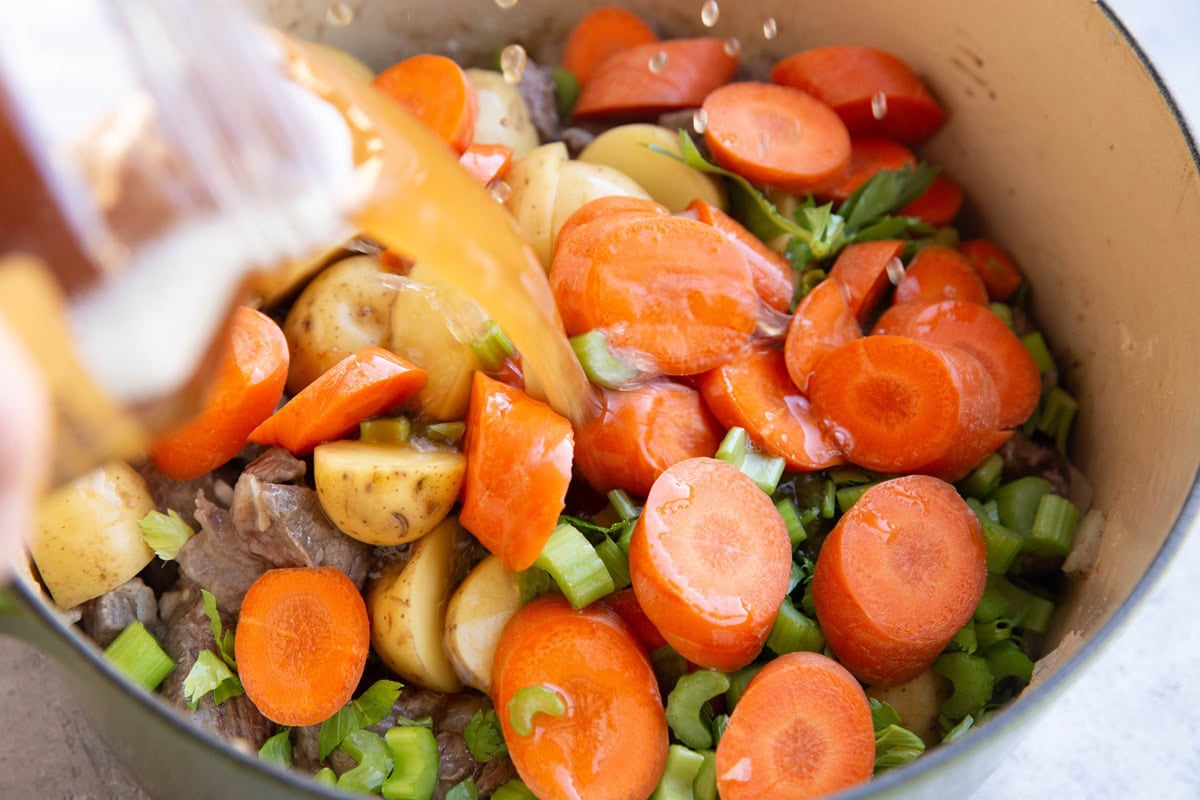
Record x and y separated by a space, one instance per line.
24 421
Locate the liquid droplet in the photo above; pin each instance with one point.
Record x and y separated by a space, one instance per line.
500 191
339 14
879 107
506 3
732 46
895 271
658 62
512 63
710 12
764 144
770 28
700 120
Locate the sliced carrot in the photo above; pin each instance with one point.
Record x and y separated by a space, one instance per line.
894 404
600 34
302 641
801 729
771 272
754 392
897 577
247 382
672 289
363 384
776 136
710 561
973 328
644 81
821 323
518 468
437 92
625 603
938 205
938 272
995 266
641 432
861 269
610 741
868 155
849 78
486 162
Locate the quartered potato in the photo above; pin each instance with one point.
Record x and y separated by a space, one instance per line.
432 326
534 183
383 493
668 180
86 540
407 606
580 183
344 309
503 115
478 611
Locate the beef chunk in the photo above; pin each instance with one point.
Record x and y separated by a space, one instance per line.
495 774
217 559
186 633
276 465
178 496
576 138
1024 457
537 88
107 615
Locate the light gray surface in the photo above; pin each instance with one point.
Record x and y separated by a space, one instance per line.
1127 728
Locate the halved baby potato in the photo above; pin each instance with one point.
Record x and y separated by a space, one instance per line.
386 493
479 609
503 115
533 180
668 180
407 607
86 540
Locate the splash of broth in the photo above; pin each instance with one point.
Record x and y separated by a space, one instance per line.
424 205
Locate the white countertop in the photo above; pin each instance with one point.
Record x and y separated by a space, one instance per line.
1126 728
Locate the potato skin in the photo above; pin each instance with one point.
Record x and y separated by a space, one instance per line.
503 115
344 309
86 540
386 494
407 607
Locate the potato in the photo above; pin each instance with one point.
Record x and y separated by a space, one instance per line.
407 606
669 181
386 494
345 308
534 183
433 326
580 183
918 702
478 612
86 540
503 115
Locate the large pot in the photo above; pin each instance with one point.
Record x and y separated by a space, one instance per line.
1073 155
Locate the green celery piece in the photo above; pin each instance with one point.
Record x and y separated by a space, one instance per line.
966 640
623 504
373 759
1035 343
896 746
385 430
679 776
325 776
705 785
575 566
566 91
972 681
794 631
165 534
277 750
224 640
529 701
415 763
738 682
368 708
791 518
137 654
984 478
959 730
464 790
616 561
485 740
1006 660
686 706
1017 502
492 346
513 789
882 714
669 666
604 367
210 674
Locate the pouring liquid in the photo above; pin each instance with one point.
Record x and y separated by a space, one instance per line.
424 205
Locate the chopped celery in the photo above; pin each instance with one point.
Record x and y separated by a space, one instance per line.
679 776
137 654
791 518
492 346
972 681
463 790
616 561
1035 343
415 758
277 750
566 92
765 471
993 631
325 777
210 674
686 706
1003 311
623 504
848 495
734 446
1003 544
738 682
705 785
1057 413
529 701
793 631
984 479
373 758
165 534
1017 502
1003 598
966 640
669 667
896 746
484 738
1006 660
513 790
385 430
1053 530
602 366
576 568
370 707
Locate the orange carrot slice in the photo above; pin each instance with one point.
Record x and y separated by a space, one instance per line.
822 322
900 573
868 155
938 272
995 266
938 205
601 34
436 91
861 269
771 272
361 385
776 136
486 162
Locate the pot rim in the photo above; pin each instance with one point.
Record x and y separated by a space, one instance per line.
1026 706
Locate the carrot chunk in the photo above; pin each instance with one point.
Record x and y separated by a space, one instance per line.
822 322
861 269
436 91
599 35
938 272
